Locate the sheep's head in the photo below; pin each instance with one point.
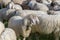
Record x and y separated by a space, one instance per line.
30 20
33 19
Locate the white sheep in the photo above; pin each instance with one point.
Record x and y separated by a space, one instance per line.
8 34
19 15
24 13
45 24
21 25
2 27
12 5
38 6
18 24
6 13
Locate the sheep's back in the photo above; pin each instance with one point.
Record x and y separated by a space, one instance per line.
48 23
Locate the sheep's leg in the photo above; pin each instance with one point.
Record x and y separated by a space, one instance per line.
24 38
26 33
56 34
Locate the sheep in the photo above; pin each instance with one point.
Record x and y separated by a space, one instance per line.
2 27
52 12
12 5
38 6
45 24
17 24
7 13
24 13
8 34
2 11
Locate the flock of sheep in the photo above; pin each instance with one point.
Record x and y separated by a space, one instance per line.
29 16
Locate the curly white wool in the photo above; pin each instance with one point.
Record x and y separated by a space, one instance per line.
48 24
7 13
24 13
38 6
17 24
2 27
8 34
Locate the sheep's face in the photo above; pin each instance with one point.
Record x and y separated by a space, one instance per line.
32 20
